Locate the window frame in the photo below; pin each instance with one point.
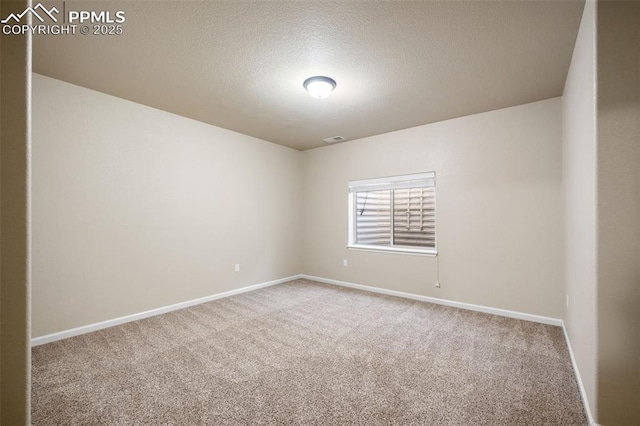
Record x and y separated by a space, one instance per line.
382 184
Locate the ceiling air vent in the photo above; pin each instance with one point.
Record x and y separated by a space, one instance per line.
334 139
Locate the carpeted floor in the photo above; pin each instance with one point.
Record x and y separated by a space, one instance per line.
310 353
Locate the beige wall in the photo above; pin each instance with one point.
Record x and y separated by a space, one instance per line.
135 208
618 213
579 195
601 114
499 207
129 200
15 353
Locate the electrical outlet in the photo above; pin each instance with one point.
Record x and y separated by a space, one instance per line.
237 267
345 262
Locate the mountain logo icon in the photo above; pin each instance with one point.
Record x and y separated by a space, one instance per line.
34 12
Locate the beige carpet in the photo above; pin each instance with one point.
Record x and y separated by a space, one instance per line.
310 353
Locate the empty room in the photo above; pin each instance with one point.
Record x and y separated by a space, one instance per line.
320 213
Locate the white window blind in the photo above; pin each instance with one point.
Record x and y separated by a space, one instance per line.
396 213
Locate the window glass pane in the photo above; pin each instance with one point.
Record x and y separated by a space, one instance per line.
373 218
414 217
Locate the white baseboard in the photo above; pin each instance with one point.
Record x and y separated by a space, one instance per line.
461 305
576 371
158 311
153 312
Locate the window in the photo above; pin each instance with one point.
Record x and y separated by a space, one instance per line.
394 214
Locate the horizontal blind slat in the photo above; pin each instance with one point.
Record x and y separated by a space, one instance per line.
412 221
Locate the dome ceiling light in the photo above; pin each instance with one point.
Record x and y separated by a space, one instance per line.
319 86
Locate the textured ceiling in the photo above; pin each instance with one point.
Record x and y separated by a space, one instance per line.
240 65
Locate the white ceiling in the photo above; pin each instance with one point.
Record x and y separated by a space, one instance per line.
240 65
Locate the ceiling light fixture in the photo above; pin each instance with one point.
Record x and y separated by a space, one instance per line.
319 86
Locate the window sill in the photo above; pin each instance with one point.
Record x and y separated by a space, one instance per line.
394 250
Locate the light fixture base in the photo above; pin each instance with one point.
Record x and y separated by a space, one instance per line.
319 86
